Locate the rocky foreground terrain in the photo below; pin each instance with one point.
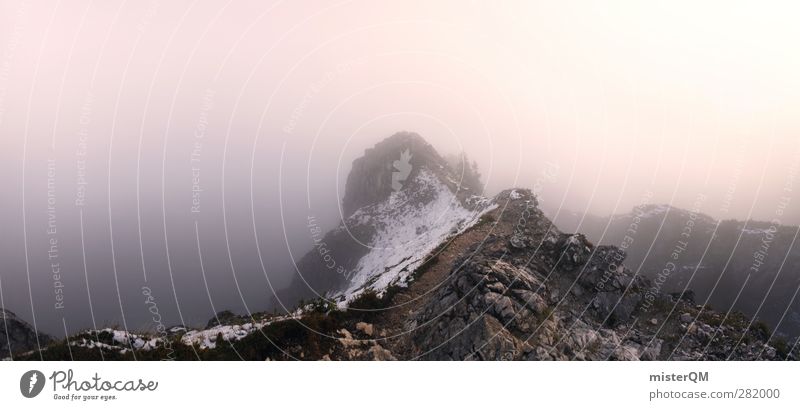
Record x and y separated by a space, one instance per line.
450 275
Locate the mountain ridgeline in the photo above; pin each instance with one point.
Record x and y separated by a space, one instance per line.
423 267
747 266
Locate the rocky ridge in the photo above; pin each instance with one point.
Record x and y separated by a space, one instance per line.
749 266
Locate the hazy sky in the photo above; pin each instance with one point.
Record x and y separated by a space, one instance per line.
659 100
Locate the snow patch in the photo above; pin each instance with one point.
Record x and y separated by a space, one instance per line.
207 338
757 231
654 210
573 240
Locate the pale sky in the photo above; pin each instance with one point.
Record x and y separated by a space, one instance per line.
632 95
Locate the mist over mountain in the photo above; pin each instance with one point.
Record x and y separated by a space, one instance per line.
202 159
422 266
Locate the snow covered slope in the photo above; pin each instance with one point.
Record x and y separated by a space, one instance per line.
408 226
402 200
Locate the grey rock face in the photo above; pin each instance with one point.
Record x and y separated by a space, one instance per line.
16 335
384 168
391 165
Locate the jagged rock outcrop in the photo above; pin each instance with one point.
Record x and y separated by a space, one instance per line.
401 200
559 297
385 167
716 259
16 335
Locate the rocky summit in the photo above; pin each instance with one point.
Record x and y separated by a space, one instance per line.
402 199
432 271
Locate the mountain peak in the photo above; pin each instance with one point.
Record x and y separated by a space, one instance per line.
402 200
16 335
386 167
